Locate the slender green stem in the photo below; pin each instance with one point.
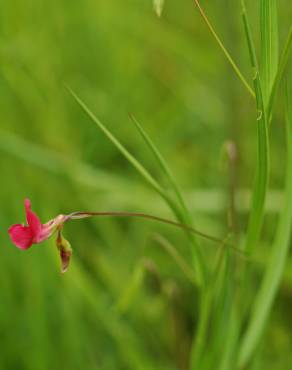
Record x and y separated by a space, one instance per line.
261 181
271 280
85 214
206 310
222 47
182 212
201 333
121 148
269 46
162 164
282 65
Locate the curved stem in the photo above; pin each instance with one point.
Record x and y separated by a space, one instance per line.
214 239
80 215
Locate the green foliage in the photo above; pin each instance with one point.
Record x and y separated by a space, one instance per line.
278 256
140 295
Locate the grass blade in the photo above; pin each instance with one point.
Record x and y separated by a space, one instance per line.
162 163
119 146
269 45
197 258
271 281
226 53
215 284
262 173
183 213
282 65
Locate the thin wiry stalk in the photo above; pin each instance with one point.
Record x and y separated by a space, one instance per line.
222 47
183 214
85 214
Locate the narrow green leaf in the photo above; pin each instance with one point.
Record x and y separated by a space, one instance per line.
282 65
272 278
182 212
119 146
269 45
260 187
199 343
162 163
230 349
224 50
206 305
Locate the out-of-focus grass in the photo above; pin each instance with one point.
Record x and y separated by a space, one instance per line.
167 71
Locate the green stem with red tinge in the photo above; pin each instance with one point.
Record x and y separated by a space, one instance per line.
80 215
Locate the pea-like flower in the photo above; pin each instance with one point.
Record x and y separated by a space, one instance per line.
24 236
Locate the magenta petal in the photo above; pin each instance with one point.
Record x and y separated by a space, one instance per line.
21 236
33 221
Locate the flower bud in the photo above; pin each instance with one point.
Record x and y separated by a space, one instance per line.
65 251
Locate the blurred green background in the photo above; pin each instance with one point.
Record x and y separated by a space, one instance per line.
124 303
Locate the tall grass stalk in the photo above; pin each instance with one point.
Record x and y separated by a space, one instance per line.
280 72
278 256
265 93
184 215
260 187
224 50
212 310
269 46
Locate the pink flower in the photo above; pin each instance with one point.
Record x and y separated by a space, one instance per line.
35 232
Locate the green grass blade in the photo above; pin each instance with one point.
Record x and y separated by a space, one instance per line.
272 278
249 39
262 172
215 284
230 348
224 50
162 163
197 257
269 45
119 146
182 212
282 65
202 330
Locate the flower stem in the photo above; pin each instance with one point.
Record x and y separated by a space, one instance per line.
80 215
